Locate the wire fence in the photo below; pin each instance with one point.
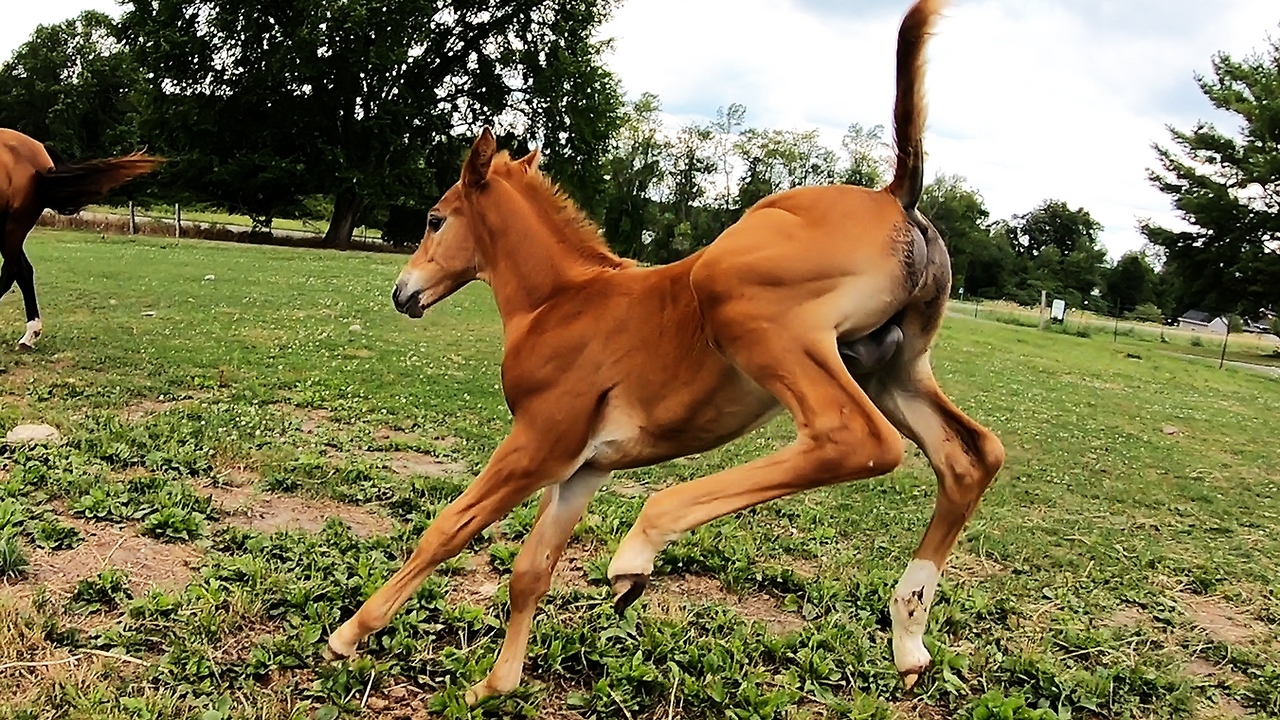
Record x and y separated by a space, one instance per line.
1251 347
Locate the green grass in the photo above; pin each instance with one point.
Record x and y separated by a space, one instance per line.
1139 499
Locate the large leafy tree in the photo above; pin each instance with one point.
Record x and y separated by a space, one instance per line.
1130 283
1226 187
368 101
1060 253
72 85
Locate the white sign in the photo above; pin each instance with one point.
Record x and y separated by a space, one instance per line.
1059 310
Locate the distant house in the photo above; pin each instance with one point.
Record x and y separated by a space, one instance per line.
1203 322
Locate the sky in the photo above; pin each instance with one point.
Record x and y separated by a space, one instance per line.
1028 99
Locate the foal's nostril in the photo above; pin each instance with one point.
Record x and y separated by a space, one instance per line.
395 296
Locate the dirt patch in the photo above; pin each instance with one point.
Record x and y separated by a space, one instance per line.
1224 709
1218 619
628 489
310 418
1129 617
675 592
964 566
269 512
571 571
142 410
412 463
477 585
149 563
911 710
1201 668
389 434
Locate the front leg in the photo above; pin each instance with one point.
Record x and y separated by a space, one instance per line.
562 507
522 464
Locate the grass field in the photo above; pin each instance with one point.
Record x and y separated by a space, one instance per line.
243 465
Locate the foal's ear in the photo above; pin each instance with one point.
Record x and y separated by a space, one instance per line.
476 169
530 162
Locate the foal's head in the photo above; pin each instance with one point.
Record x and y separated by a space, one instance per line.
451 255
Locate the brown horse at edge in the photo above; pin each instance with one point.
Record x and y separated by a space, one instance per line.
30 182
820 300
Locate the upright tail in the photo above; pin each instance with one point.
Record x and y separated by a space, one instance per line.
909 105
66 189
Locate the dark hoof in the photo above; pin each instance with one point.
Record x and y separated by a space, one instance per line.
627 589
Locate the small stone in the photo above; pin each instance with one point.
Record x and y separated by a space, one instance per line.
149 313
398 693
376 704
356 328
29 434
209 277
1171 430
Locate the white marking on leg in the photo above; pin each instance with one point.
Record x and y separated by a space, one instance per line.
909 609
34 329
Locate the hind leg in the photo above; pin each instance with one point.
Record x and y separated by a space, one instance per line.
26 277
965 457
788 348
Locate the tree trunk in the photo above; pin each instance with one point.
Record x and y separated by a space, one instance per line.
346 210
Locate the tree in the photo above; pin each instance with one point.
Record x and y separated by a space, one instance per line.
982 262
865 156
635 171
368 101
1227 189
72 85
777 160
1062 254
1130 283
725 127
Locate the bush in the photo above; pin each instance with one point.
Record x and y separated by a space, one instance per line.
1196 341
1147 312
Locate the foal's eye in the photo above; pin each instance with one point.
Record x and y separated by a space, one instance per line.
435 222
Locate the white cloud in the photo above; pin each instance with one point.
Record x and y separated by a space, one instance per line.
1029 99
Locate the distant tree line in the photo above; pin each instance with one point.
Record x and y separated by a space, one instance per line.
361 110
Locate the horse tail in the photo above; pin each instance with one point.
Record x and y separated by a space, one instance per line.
66 189
909 105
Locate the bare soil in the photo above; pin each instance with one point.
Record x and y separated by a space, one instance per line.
248 508
679 591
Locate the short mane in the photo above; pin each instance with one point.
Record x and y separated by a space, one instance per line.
588 241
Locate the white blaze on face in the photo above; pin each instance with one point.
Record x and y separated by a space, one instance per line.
910 612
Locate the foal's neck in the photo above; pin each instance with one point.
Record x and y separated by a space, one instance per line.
530 257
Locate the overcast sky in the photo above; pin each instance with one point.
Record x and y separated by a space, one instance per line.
1029 99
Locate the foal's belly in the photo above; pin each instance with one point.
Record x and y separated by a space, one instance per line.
685 421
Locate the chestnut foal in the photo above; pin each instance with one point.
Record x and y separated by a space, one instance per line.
821 300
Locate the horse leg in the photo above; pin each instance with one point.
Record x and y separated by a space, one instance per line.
562 507
841 436
965 457
26 277
522 464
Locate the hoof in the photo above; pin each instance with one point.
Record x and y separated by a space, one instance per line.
627 589
25 347
478 693
331 652
909 680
